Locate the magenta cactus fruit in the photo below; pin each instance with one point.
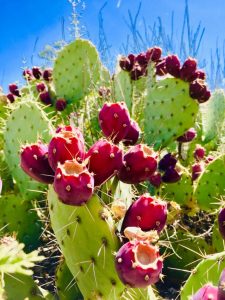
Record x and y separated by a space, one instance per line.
154 54
60 104
221 286
114 120
167 161
141 59
188 69
126 64
171 175
34 162
104 161
11 97
132 135
207 292
13 88
221 222
139 163
137 72
205 97
199 153
155 179
41 87
197 89
197 170
73 183
188 136
173 65
37 73
66 145
45 98
27 74
147 212
47 74
198 74
139 264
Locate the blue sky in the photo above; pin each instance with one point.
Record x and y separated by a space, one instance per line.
23 22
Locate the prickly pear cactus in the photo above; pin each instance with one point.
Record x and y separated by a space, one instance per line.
213 116
26 124
210 186
19 216
169 111
67 288
92 262
76 71
208 270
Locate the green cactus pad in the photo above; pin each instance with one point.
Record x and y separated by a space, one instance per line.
87 240
185 253
217 240
180 192
211 185
7 182
19 216
66 285
77 70
26 124
169 111
213 117
208 270
122 88
21 287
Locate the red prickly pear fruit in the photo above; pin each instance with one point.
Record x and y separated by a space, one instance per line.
13 88
197 89
161 68
41 87
147 212
221 286
76 131
207 292
11 98
197 170
171 175
153 54
188 136
47 74
45 98
132 136
138 264
139 163
205 97
66 145
199 153
73 183
60 104
104 161
155 179
141 59
167 161
126 64
114 120
198 74
37 73
34 162
188 69
27 74
221 222
173 65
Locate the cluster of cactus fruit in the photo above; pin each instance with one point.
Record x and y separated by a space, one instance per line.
132 167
